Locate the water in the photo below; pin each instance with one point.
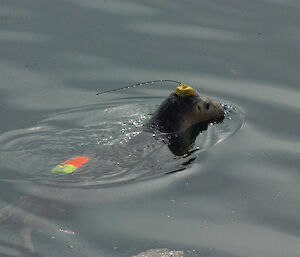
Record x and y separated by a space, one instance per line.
239 197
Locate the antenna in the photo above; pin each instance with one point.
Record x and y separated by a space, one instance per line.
139 85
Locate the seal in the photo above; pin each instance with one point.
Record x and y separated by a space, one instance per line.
183 109
180 118
183 115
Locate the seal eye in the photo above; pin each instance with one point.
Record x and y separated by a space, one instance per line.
207 105
199 108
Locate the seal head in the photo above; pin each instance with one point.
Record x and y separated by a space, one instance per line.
183 109
182 116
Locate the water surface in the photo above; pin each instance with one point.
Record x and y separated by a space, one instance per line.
240 197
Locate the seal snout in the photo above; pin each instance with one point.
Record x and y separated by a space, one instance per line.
219 110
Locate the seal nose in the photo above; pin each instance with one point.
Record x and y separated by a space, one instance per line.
219 108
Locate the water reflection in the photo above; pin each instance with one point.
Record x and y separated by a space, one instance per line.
22 37
186 31
117 7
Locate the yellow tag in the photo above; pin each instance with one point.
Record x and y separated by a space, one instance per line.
184 90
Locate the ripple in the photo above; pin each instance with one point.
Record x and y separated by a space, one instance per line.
112 135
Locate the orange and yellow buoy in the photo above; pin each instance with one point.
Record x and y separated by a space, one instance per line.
71 165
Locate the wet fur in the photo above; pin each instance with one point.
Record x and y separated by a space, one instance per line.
178 113
182 118
168 116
